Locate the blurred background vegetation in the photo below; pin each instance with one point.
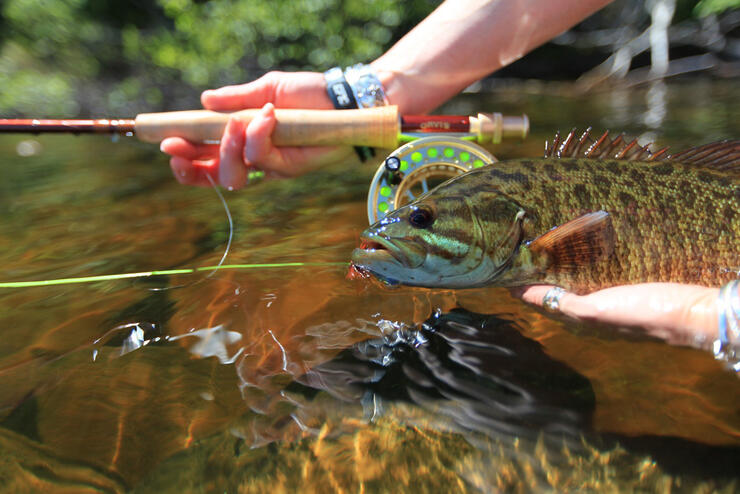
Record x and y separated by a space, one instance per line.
119 58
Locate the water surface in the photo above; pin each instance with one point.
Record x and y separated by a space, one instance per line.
285 378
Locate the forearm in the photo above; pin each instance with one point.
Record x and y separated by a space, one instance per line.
464 40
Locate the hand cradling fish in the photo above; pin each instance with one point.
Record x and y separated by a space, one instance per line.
584 217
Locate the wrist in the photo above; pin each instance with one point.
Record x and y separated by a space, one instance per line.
391 83
406 89
355 87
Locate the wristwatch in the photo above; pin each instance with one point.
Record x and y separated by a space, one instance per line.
366 87
356 87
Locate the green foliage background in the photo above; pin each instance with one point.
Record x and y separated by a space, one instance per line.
70 57
121 57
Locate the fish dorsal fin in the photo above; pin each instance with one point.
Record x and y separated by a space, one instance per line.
604 147
722 155
581 241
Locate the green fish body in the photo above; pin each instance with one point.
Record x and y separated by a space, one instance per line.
580 223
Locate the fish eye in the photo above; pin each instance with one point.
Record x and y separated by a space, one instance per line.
421 217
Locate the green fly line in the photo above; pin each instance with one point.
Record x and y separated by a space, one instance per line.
161 272
167 272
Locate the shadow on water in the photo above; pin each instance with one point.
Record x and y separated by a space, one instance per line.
477 370
482 375
467 393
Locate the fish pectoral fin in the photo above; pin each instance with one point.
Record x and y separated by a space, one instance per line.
581 241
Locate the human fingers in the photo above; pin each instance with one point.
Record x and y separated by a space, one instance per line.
284 89
675 312
232 170
672 311
259 146
535 295
637 305
259 151
177 146
190 172
555 299
190 163
237 97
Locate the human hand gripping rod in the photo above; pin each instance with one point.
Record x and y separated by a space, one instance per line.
381 127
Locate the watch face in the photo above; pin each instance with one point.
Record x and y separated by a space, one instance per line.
417 168
366 86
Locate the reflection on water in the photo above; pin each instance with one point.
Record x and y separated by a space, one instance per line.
293 378
656 105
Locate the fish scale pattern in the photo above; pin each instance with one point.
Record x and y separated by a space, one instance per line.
672 221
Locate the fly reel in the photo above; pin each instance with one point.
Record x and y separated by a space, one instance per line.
419 166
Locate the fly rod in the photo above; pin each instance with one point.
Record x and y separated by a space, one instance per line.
381 127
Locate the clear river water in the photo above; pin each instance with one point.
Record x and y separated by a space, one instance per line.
292 378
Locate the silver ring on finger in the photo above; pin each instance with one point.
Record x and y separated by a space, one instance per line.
551 300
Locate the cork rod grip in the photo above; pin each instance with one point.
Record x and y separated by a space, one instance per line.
375 127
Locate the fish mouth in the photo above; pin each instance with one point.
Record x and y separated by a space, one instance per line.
374 248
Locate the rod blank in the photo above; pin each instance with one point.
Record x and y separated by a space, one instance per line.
374 127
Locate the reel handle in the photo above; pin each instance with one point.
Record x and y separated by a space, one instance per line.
374 127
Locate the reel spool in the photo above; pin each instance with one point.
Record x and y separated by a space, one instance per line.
419 166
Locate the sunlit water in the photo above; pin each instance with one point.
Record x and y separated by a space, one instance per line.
281 379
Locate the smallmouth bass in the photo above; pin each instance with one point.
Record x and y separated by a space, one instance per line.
578 220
